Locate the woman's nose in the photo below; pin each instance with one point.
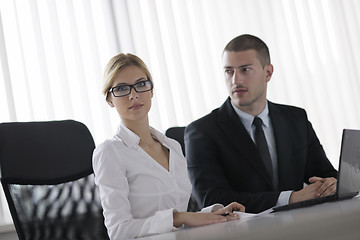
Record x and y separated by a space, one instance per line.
133 94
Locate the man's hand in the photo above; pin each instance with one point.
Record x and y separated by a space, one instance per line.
328 186
306 193
318 187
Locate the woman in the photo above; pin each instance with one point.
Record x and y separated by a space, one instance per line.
141 174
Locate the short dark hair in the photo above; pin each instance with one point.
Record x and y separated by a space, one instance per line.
249 42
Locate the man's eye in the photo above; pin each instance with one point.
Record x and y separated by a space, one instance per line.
227 71
245 69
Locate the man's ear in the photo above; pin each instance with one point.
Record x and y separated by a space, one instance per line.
269 69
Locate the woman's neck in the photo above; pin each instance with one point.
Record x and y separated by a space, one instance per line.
142 129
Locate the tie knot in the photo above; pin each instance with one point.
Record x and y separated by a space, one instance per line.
257 122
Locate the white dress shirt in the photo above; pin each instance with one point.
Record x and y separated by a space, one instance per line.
137 194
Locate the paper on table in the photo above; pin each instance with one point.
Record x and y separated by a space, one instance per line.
244 216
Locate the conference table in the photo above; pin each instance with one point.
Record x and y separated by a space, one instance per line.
338 220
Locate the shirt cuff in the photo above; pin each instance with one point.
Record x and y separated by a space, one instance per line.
284 198
212 208
162 221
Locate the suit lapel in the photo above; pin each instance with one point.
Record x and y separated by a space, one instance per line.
238 136
282 141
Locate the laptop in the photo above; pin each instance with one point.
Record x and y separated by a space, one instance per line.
348 181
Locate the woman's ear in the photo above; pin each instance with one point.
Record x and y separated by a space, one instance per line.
108 97
110 103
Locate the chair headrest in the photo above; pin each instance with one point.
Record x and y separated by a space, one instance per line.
45 150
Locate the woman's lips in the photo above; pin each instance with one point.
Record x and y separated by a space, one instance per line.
136 106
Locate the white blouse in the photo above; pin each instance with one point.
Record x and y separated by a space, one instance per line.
137 194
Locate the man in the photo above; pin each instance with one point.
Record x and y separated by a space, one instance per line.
231 159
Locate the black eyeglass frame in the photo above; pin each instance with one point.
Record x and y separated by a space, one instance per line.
132 86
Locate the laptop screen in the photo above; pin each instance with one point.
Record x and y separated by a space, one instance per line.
349 167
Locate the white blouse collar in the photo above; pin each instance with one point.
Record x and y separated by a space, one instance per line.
130 139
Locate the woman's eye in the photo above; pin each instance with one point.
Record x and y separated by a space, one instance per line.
141 84
121 88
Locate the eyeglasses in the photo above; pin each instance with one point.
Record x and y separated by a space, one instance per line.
143 85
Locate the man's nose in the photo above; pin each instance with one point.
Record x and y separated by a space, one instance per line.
237 78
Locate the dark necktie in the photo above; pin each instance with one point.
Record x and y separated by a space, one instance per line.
262 146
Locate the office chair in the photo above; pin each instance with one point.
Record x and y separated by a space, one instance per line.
46 173
177 133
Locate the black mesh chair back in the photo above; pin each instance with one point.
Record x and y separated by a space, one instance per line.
177 133
47 177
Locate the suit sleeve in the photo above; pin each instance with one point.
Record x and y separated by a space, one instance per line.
206 171
317 162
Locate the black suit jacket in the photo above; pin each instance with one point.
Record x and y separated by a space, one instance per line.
224 164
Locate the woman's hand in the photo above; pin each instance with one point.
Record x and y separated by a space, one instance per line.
234 206
194 219
199 219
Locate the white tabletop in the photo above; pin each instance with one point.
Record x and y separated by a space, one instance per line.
330 221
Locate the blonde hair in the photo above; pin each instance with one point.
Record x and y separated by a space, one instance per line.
118 63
